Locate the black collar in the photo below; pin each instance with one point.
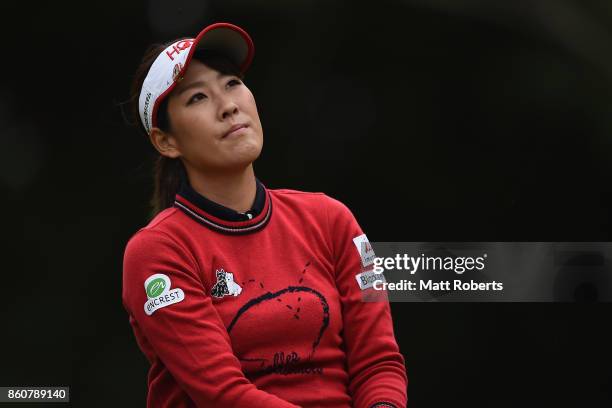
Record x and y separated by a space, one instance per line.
223 219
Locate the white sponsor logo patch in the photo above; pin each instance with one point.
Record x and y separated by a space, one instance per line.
159 293
365 250
366 279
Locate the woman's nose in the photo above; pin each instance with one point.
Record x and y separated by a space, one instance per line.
228 108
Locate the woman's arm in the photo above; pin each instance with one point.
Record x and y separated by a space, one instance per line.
182 326
376 368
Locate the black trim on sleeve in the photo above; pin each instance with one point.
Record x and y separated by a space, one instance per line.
383 405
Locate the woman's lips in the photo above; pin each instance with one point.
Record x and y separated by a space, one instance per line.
234 130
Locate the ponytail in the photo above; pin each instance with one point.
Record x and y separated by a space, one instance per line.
167 177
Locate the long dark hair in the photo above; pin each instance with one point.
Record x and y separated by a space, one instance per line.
167 171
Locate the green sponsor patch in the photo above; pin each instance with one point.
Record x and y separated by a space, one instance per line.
155 287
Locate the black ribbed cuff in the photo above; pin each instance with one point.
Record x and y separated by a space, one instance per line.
383 405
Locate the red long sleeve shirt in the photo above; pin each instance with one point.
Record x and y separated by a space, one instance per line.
262 309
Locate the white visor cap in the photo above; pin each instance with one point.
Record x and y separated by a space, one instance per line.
171 64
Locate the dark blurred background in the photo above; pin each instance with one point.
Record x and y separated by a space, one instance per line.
433 120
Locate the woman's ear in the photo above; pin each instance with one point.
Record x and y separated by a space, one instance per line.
164 143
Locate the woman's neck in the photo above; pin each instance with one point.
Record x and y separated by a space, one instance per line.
236 191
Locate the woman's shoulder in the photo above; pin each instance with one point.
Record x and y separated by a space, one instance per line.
157 229
298 196
309 199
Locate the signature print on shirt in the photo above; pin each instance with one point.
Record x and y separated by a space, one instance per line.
299 312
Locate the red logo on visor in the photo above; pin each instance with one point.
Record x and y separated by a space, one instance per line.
178 47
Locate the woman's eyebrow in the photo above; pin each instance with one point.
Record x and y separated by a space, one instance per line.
196 84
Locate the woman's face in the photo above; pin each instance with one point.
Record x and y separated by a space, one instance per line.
214 121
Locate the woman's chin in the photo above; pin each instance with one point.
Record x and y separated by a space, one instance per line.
246 152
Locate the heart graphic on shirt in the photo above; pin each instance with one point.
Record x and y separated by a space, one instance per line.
285 327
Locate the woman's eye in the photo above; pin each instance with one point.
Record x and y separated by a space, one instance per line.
233 82
196 97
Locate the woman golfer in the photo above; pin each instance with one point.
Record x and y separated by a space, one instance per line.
240 295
